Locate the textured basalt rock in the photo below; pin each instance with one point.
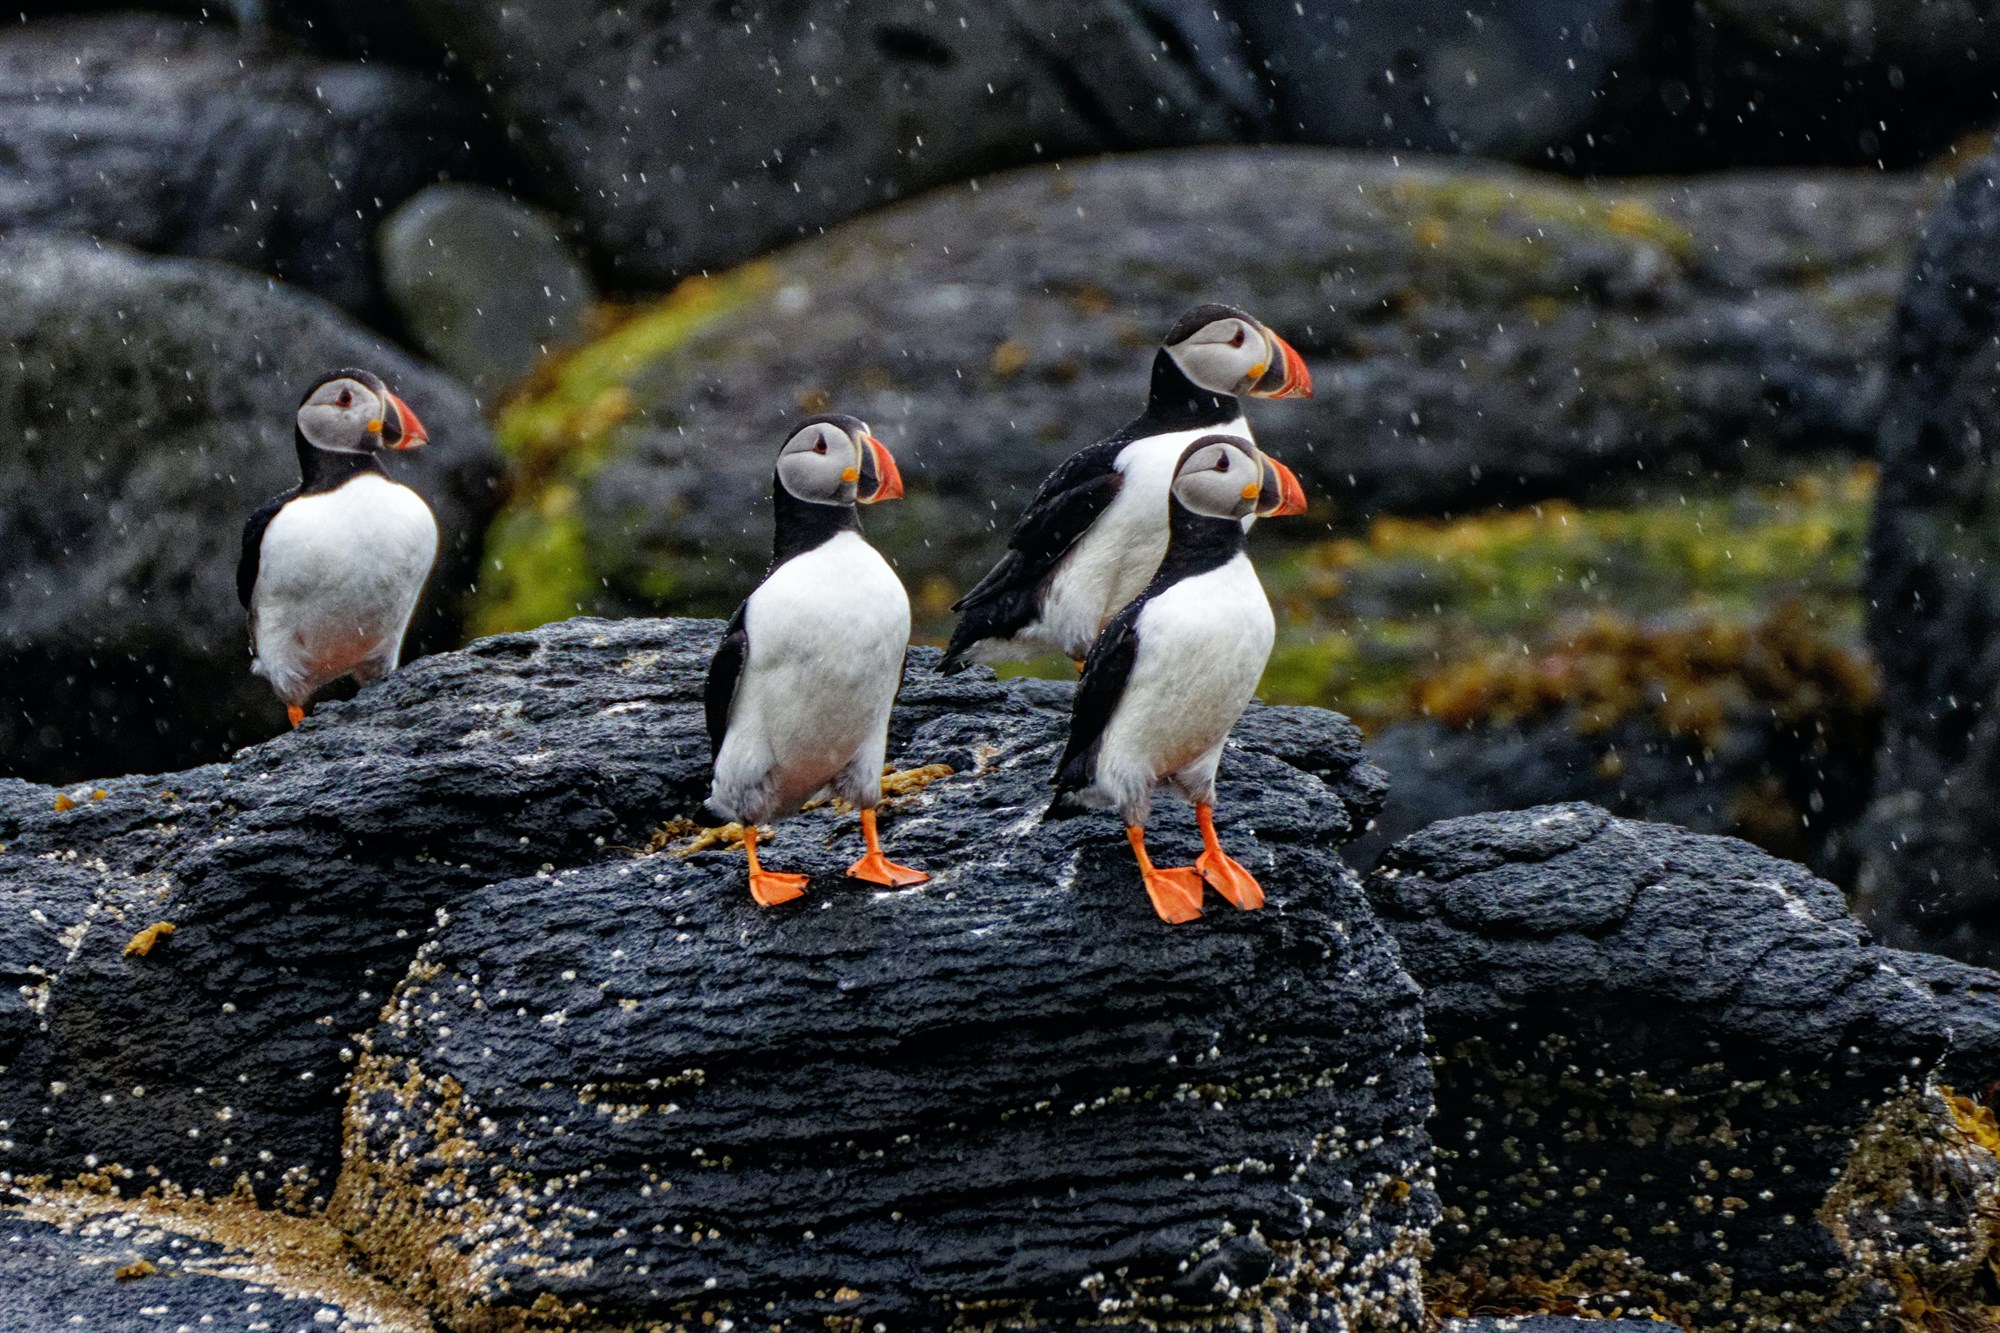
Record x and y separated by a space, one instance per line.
147 406
989 1092
186 138
691 137
485 284
1930 876
1476 334
1008 1095
1672 1073
75 1260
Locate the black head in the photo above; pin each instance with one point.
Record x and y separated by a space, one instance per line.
1227 351
833 459
354 412
1220 476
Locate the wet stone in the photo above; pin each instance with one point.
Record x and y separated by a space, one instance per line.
482 282
1673 1074
1010 1090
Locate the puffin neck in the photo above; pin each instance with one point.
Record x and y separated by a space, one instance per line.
800 525
325 470
1176 402
1197 543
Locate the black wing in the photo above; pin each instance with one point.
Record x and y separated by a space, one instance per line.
723 670
253 545
1061 512
1068 502
1105 674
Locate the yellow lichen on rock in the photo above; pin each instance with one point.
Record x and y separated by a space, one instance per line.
142 943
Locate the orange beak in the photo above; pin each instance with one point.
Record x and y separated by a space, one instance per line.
410 430
1287 376
1281 491
880 466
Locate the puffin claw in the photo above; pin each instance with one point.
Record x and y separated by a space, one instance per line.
295 713
1226 875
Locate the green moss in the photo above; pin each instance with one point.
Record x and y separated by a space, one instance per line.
1482 233
555 433
1375 625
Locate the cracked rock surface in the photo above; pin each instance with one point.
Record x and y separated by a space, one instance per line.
610 1086
1654 1052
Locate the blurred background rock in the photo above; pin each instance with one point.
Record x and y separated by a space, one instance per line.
1601 302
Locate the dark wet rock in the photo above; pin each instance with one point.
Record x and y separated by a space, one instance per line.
1930 876
187 138
1498 78
482 282
1655 1051
1793 82
687 138
1554 1324
1476 335
72 1260
1012 1087
1794 786
1602 85
149 408
501 799
1970 999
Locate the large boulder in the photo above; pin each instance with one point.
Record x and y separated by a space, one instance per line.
1616 86
1055 1102
1675 1076
482 282
690 137
1476 334
1766 731
148 408
1930 876
186 138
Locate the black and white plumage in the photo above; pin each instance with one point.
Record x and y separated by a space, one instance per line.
1097 529
800 689
331 570
1172 673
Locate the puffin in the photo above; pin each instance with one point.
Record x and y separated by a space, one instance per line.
800 688
331 570
1097 528
1172 673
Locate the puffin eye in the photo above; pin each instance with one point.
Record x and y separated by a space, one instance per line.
820 447
1236 338
1222 463
346 398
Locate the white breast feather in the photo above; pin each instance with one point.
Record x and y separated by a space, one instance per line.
338 576
1115 559
1203 644
827 630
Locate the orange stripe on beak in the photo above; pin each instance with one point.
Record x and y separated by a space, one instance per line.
1294 380
1282 491
888 481
411 429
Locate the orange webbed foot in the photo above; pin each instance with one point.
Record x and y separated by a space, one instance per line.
1176 893
295 713
770 888
876 868
1226 875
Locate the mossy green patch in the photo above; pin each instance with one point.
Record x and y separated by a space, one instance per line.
555 432
1506 614
1489 233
